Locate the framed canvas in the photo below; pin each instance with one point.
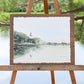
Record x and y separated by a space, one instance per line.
42 39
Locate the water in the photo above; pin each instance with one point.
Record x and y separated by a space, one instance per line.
42 76
5 51
4 47
44 54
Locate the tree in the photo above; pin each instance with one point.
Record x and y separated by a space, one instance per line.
20 37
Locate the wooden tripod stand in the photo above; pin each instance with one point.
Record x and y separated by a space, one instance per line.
46 12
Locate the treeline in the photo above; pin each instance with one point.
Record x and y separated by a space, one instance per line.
10 5
23 38
19 5
62 43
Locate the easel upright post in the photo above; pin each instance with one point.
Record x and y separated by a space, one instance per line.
72 75
13 77
56 5
46 6
29 7
52 77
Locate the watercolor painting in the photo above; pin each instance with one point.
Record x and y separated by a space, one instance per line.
41 40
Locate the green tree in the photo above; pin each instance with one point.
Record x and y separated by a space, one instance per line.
20 37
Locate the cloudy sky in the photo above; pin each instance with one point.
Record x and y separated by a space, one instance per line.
51 29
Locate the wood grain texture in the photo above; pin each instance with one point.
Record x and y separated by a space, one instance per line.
52 77
72 75
29 7
41 67
13 77
56 5
46 6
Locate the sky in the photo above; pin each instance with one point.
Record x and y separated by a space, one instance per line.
49 29
39 77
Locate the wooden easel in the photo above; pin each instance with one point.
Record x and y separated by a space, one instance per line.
56 4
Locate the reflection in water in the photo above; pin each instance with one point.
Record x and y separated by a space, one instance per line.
4 32
22 50
44 54
4 47
4 28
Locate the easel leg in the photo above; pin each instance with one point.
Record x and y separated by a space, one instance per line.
72 77
13 77
29 7
56 4
52 77
46 6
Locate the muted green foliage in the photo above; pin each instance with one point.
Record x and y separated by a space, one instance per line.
63 5
33 40
19 6
78 33
82 37
4 33
4 28
38 7
78 3
20 37
70 4
11 5
79 14
5 16
23 38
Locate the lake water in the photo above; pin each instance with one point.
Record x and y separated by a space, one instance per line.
44 77
44 54
38 53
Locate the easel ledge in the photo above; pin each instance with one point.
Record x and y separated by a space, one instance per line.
41 67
